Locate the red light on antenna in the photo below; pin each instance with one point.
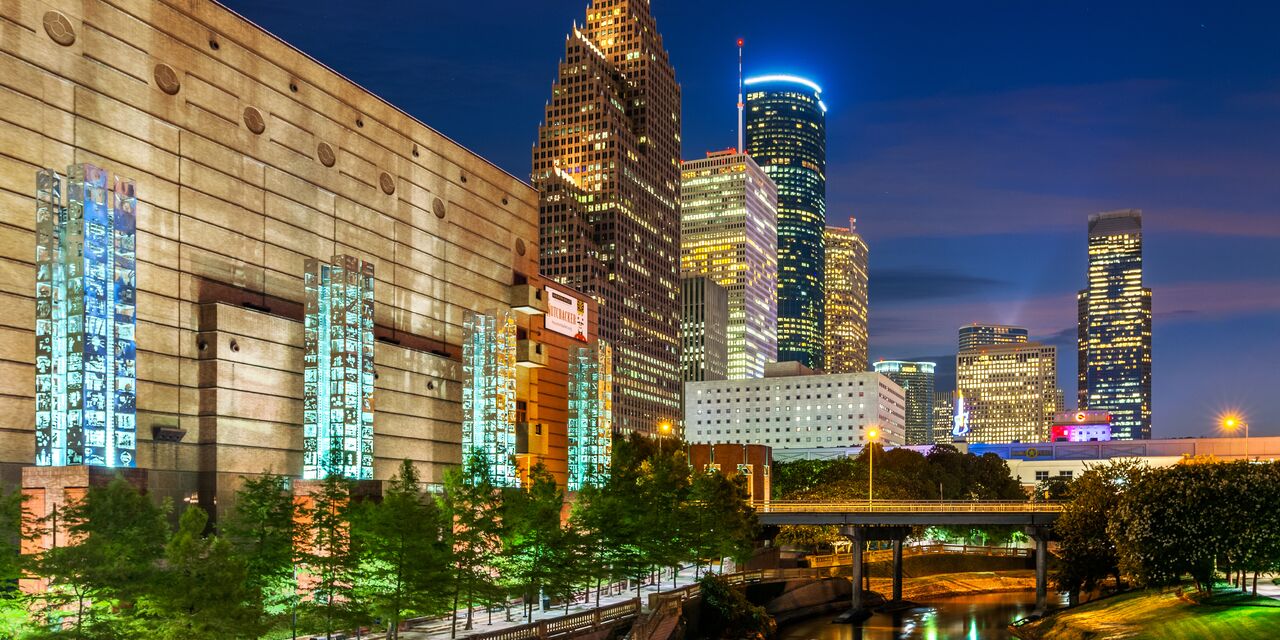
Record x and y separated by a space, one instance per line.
739 42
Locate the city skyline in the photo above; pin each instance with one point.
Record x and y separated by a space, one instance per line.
1060 136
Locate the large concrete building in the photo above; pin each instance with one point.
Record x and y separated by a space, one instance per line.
704 329
846 277
1114 352
786 132
249 158
728 232
792 407
1009 392
607 167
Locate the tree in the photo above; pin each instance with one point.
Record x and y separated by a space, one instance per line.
728 614
1088 553
472 507
591 520
116 537
202 590
403 556
327 561
718 520
260 528
1170 523
532 537
12 562
664 488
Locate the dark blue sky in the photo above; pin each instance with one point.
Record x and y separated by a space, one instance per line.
971 141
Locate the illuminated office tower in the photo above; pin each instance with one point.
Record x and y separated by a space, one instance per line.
985 335
944 413
86 312
1115 326
1009 391
607 168
846 300
704 329
728 232
787 135
489 394
916 380
337 383
590 415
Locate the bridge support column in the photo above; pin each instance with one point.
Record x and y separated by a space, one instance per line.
859 537
1040 534
897 569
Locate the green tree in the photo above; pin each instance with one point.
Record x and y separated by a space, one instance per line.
116 537
1088 553
327 560
473 506
664 488
12 563
403 555
591 520
202 589
260 528
718 520
533 544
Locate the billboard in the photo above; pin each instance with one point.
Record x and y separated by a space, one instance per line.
566 315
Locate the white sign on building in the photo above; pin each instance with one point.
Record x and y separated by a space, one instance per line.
566 315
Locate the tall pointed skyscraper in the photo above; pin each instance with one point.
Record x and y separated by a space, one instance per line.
607 168
1115 326
787 136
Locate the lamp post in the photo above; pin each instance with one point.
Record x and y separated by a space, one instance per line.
1232 422
871 472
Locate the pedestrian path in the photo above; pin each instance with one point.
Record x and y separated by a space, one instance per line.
440 628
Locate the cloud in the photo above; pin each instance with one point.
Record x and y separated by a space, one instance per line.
926 283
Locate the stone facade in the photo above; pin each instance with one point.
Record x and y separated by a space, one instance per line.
249 157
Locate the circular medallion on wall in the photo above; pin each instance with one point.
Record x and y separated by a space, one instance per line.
437 206
167 79
387 183
520 246
59 28
253 120
325 153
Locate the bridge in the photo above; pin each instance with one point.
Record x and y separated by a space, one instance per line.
891 520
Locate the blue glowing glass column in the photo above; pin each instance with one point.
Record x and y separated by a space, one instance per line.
489 394
337 384
590 414
86 311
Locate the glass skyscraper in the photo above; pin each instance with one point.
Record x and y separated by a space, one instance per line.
916 380
728 224
977 335
607 169
845 341
786 133
1115 326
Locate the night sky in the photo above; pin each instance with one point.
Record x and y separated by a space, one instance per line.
970 140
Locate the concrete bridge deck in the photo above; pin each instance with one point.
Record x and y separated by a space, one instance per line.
906 512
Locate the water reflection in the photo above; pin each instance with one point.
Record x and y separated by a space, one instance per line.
977 617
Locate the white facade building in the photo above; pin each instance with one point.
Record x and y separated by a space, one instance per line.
798 411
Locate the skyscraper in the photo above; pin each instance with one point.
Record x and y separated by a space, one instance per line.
944 413
786 133
728 233
916 380
1009 391
704 329
845 339
985 335
1115 326
607 168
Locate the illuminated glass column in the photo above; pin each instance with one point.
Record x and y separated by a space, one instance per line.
337 406
86 310
590 414
489 393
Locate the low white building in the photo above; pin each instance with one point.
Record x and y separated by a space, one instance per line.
791 407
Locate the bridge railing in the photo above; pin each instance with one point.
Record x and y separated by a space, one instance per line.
842 559
905 506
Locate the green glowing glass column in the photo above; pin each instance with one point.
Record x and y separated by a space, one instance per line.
86 311
590 414
489 393
337 386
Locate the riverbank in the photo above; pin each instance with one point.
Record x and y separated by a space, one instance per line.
955 584
1154 615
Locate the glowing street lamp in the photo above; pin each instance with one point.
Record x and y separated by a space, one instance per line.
1232 422
872 433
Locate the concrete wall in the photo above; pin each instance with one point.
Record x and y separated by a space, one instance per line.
249 158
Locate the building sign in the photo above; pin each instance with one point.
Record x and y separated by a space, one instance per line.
566 315
86 313
337 383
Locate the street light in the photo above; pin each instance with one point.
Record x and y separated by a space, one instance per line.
1233 422
871 473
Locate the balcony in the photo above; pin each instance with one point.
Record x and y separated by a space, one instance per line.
528 299
530 353
531 438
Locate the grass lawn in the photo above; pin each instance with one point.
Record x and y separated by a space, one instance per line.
1150 615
